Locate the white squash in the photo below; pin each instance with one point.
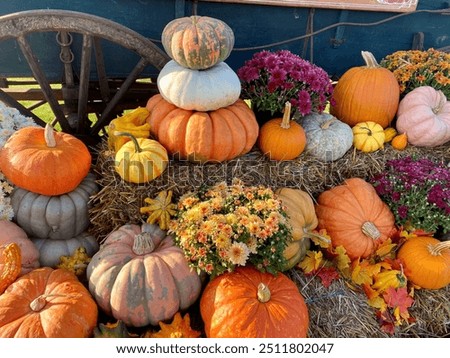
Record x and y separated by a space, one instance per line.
327 138
54 217
199 90
51 250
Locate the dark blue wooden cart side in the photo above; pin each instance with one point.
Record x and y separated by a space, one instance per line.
331 38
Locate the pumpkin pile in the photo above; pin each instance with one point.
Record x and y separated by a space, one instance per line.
198 115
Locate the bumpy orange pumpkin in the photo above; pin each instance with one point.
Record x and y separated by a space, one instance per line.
47 303
281 138
44 161
217 135
427 261
355 217
197 42
366 93
12 233
10 265
248 303
140 277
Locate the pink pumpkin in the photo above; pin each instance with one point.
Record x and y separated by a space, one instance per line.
140 277
424 115
11 232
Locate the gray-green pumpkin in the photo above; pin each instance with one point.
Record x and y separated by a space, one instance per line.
327 138
54 217
51 250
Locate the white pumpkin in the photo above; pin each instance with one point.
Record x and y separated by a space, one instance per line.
51 250
424 115
54 217
327 138
199 90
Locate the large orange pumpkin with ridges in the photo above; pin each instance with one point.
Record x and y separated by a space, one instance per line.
47 303
219 135
44 161
140 277
248 303
355 217
197 42
366 93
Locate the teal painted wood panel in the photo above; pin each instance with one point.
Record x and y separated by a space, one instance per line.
335 49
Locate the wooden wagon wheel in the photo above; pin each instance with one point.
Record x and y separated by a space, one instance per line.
72 113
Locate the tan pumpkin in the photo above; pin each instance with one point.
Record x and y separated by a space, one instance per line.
355 217
281 138
47 303
248 303
44 161
140 277
54 217
218 135
205 90
424 115
197 42
12 233
366 93
300 209
427 261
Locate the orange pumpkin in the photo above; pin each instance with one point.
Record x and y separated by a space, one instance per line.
366 93
43 161
427 261
281 138
400 141
12 233
197 42
248 303
10 265
355 217
47 303
218 135
140 277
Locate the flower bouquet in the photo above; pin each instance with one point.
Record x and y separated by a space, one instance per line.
225 226
415 68
418 193
270 79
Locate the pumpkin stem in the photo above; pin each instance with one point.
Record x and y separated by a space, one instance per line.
263 293
133 138
285 122
38 303
442 102
327 124
143 244
49 136
310 234
369 59
369 229
437 249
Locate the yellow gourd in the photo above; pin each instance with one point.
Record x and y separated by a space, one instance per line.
134 122
389 134
368 136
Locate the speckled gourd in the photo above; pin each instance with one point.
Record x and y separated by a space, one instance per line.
54 217
327 138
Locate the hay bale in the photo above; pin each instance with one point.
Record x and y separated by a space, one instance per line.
118 202
339 312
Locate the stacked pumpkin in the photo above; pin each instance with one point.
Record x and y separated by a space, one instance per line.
50 172
198 114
